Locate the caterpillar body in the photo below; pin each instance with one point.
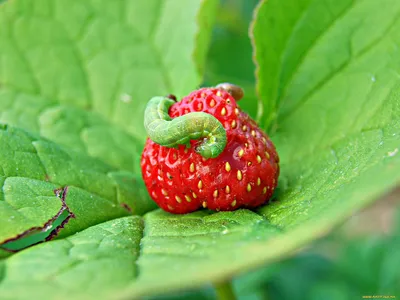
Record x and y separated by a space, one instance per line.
168 132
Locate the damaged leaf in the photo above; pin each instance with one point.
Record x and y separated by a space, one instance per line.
87 102
103 255
40 181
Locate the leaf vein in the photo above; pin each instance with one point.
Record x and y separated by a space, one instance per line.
314 43
339 70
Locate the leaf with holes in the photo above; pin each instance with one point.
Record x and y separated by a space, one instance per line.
100 256
42 182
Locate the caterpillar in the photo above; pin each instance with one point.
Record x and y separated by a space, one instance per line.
168 132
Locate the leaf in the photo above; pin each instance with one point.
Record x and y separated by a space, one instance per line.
338 149
59 78
69 264
272 29
336 267
101 256
346 111
230 56
40 181
106 58
361 266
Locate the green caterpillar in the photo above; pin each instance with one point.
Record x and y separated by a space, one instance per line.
168 132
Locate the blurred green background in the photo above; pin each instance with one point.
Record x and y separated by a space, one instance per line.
230 55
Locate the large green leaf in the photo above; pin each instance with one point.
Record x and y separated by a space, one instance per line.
330 92
60 59
334 268
40 181
59 77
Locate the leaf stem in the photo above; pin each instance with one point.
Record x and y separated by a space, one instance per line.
224 291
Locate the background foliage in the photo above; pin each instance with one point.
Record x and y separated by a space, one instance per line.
74 79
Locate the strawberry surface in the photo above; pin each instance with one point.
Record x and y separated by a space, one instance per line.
245 174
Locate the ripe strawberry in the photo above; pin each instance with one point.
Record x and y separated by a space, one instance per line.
245 174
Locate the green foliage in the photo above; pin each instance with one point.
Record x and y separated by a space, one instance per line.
75 77
100 256
359 267
230 54
33 169
350 269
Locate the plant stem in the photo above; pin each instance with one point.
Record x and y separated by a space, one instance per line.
224 291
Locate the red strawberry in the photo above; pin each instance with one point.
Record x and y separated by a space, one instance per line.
245 174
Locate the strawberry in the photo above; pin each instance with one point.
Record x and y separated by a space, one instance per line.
245 174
